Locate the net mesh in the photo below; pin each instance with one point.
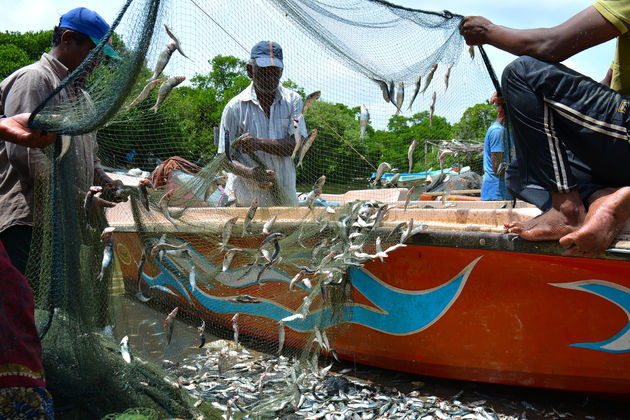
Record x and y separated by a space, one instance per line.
276 274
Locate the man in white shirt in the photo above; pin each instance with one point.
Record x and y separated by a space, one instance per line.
261 121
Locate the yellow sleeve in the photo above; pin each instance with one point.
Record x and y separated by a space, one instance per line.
616 12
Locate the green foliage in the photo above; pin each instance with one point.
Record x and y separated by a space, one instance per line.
475 122
21 49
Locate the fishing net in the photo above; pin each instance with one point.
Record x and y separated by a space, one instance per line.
279 274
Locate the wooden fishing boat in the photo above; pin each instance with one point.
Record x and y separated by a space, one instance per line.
462 300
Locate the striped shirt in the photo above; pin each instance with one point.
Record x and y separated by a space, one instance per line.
244 114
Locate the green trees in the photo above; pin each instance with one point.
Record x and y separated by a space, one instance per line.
18 50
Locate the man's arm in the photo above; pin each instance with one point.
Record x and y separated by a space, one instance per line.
582 31
608 78
15 130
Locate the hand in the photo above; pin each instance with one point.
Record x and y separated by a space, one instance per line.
247 143
114 185
475 29
264 178
99 203
15 130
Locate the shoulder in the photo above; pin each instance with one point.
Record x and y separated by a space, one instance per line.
289 95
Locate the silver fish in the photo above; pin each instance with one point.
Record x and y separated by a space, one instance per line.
65 145
310 99
319 184
139 294
400 97
307 145
406 233
274 237
162 61
310 198
391 94
416 90
229 256
412 147
163 203
169 324
143 184
250 215
163 289
293 318
124 349
268 225
191 278
174 38
235 328
297 278
394 181
430 77
432 108
299 139
365 116
447 75
145 92
408 198
201 331
381 170
108 251
165 247
280 336
165 89
227 231
387 96
471 51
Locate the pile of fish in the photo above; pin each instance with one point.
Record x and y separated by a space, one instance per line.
237 381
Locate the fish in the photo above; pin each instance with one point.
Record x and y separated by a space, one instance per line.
381 170
391 94
65 145
293 318
191 278
273 237
229 256
318 247
143 184
379 249
139 294
307 282
124 349
394 181
201 331
169 324
380 215
416 90
447 75
163 203
299 139
174 38
310 100
310 198
307 145
297 278
429 77
471 51
412 147
408 198
108 251
164 247
163 289
432 108
235 328
365 116
387 96
165 89
162 60
280 337
227 231
250 215
145 92
268 225
299 240
395 229
406 233
319 184
87 202
400 97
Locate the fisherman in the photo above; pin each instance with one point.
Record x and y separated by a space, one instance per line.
23 391
260 122
493 186
553 108
78 32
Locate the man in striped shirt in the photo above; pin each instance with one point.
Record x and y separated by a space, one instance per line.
260 120
553 108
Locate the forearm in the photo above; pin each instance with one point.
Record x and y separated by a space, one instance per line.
238 169
278 147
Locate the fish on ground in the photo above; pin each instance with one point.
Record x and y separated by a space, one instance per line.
310 99
145 93
416 91
163 59
169 324
174 38
381 170
124 349
307 145
412 147
143 184
251 212
432 109
430 77
365 116
108 251
165 89
447 75
400 97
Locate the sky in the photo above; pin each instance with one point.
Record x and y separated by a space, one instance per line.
34 15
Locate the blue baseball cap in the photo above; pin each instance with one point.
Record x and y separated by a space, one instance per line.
267 53
89 23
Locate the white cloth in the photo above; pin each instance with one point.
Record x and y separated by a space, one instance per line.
244 114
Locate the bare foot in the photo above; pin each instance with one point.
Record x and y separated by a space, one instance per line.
565 216
606 217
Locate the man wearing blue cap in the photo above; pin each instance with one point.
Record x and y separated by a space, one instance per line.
261 120
78 32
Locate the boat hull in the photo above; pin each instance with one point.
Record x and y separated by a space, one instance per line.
468 313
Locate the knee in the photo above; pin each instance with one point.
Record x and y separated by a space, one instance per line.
518 68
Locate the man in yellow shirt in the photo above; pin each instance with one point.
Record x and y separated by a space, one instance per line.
553 108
